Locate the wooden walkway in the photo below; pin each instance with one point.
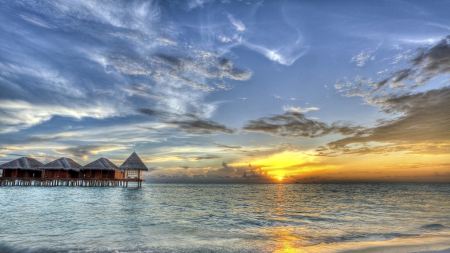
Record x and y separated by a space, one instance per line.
99 182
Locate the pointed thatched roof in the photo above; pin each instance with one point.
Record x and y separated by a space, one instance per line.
62 163
24 163
133 163
100 164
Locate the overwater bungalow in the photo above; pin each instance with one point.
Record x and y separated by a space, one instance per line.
22 167
62 168
67 172
101 168
133 168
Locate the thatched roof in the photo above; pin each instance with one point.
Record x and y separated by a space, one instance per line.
62 164
100 164
24 163
133 163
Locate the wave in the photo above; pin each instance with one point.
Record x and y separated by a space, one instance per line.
434 226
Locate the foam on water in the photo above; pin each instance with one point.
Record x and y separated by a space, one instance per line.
216 218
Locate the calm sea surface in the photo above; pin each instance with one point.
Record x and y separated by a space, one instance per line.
216 217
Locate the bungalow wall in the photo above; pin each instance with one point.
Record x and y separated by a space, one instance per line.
118 174
101 174
9 173
63 174
22 173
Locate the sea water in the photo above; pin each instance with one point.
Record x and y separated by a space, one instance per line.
216 217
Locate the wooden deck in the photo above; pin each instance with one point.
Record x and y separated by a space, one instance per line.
103 182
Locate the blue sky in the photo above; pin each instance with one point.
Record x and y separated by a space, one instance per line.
307 90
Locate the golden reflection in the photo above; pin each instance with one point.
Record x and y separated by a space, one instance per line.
287 242
280 205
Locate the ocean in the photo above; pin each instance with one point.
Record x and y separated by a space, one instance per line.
411 217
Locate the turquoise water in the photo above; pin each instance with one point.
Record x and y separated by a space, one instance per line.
216 217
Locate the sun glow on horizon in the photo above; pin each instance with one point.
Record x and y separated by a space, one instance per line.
284 163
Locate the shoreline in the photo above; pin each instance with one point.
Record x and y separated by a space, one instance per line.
437 242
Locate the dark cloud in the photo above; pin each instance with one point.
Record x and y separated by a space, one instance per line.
202 63
435 59
428 64
83 150
423 126
20 155
189 122
256 174
226 146
288 146
172 61
292 124
401 75
194 124
226 171
205 157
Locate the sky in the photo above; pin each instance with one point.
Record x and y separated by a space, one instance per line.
231 91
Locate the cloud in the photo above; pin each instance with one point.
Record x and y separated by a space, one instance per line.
362 58
290 108
259 36
434 60
16 115
205 157
294 125
192 4
256 174
226 147
197 125
138 59
428 64
225 171
237 23
189 122
422 126
284 55
420 119
289 146
85 151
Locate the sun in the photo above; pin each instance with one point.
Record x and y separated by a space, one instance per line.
280 178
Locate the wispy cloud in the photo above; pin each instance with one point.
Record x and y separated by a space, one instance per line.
290 108
366 55
237 23
82 73
16 115
285 54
